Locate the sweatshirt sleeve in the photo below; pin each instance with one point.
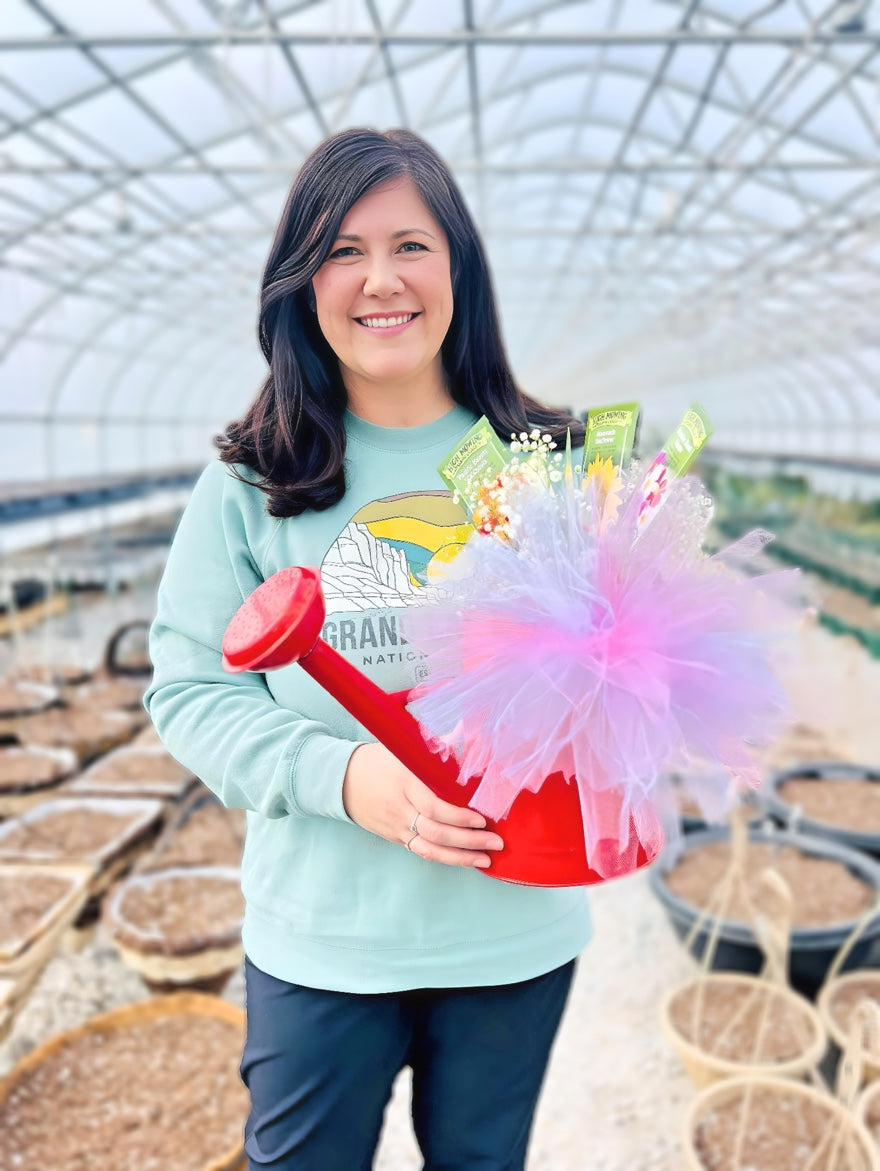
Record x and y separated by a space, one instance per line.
228 729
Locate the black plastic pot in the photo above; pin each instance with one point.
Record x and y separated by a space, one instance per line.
791 817
812 950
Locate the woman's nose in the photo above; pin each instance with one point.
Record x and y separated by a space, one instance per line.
382 278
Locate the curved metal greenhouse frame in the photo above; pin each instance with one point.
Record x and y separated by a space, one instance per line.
680 202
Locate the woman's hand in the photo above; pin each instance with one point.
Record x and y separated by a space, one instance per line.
381 795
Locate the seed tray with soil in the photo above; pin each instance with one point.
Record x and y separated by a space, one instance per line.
109 694
29 774
147 737
37 902
178 925
183 1107
723 1024
23 698
771 1124
101 831
134 771
84 730
205 834
834 799
60 675
831 888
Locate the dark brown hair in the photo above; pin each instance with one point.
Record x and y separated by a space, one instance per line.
293 435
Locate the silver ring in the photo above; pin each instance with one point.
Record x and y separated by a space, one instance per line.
413 829
410 842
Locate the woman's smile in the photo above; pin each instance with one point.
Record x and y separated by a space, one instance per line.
387 325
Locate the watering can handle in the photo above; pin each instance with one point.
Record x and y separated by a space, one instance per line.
281 622
382 714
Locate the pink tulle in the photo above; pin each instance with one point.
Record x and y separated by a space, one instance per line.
610 658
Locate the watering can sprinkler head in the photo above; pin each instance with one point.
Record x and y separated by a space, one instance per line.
279 623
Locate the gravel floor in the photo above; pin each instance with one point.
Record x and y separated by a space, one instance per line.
615 1095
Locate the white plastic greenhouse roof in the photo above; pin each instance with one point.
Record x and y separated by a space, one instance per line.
680 201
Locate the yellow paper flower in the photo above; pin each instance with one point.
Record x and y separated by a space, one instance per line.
606 476
603 470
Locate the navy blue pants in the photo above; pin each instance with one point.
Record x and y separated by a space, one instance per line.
320 1066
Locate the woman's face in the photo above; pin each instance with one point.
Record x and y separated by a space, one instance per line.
384 294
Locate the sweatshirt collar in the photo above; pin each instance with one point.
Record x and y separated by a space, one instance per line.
445 430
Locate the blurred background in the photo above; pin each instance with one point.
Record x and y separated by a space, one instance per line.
680 203
679 200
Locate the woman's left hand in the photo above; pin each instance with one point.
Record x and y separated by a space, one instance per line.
381 795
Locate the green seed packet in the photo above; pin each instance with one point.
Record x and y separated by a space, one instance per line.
687 441
476 461
611 432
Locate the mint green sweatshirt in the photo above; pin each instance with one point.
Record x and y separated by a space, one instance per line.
328 904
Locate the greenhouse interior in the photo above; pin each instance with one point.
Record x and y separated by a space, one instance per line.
679 206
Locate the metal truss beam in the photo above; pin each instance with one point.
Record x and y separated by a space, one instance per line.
390 71
707 166
154 116
272 32
493 94
747 231
452 39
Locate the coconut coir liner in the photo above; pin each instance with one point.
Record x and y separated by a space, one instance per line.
784 1030
782 1131
154 1095
846 996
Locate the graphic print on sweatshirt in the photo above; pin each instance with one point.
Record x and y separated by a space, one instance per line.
378 565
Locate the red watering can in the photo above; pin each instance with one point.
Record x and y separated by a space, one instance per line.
281 622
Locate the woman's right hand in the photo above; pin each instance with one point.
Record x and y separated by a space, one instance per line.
381 795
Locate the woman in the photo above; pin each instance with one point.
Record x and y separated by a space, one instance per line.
372 939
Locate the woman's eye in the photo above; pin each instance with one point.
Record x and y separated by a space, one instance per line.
412 246
342 252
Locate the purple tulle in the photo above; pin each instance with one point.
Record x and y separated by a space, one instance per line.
612 658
